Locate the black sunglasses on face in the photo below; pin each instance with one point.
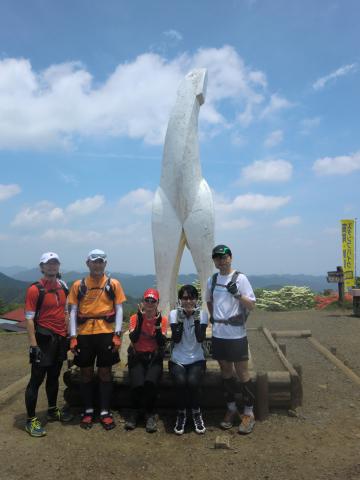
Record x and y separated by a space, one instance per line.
150 300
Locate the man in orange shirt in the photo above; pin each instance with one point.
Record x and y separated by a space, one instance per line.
46 324
145 359
96 316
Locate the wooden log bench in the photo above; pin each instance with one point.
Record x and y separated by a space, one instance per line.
275 389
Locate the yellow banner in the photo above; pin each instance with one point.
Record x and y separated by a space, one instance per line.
348 252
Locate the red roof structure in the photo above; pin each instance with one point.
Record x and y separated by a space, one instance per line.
17 315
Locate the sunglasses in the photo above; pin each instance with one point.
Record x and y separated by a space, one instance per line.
150 300
92 258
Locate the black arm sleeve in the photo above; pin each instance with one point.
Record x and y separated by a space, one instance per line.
176 331
200 331
135 334
160 338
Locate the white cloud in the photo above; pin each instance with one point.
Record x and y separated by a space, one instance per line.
8 191
267 171
275 104
69 179
173 35
237 224
46 212
288 221
342 165
251 202
42 212
51 108
308 124
85 206
72 236
274 138
340 72
137 201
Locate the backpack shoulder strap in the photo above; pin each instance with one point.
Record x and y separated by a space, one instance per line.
235 276
40 299
82 290
213 283
109 289
64 287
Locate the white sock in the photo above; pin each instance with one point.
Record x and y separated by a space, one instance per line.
249 411
232 406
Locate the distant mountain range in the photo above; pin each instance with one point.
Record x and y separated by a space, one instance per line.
13 287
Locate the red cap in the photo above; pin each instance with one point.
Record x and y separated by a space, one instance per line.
151 293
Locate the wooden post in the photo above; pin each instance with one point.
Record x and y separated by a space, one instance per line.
327 354
341 286
296 387
282 347
262 396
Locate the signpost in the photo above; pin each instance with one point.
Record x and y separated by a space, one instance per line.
337 276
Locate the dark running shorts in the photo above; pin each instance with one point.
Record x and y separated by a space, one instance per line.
231 350
53 347
99 347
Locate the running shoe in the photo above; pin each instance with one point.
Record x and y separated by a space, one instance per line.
107 421
198 422
229 419
34 428
57 414
179 428
132 420
247 424
87 420
151 425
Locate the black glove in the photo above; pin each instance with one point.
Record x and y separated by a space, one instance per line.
180 315
158 320
232 288
35 355
139 320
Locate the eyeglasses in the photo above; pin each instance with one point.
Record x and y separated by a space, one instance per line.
220 256
97 256
150 300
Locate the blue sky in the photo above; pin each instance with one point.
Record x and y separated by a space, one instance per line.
86 89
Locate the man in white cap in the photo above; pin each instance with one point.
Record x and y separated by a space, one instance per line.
96 316
45 314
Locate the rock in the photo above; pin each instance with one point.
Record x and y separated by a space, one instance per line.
222 441
292 413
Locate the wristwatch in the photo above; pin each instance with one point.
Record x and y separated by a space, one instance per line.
118 334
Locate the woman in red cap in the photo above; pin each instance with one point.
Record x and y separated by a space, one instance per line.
145 359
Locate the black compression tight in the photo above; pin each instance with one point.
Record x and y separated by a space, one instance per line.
187 379
51 386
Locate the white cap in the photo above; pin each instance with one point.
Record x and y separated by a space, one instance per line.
96 255
45 257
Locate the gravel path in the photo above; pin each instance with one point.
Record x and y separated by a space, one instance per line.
321 442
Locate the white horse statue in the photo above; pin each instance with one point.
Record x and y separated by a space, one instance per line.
183 211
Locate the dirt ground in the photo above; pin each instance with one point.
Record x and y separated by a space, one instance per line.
322 442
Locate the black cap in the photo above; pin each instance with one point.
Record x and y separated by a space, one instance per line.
221 250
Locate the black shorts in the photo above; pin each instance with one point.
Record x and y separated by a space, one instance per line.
99 347
53 347
231 350
144 367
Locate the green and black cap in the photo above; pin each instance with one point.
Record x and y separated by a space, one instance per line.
220 250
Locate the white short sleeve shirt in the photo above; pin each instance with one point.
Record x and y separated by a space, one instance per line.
188 350
225 305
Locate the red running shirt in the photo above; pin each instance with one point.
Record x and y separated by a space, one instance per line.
52 311
147 341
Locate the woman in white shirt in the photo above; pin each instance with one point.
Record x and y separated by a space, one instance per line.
187 364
